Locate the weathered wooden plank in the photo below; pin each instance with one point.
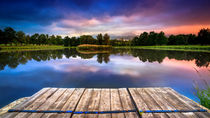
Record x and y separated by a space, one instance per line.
107 100
48 103
94 103
127 103
163 103
83 103
26 103
140 103
105 103
116 104
71 103
189 103
151 103
58 104
173 101
38 102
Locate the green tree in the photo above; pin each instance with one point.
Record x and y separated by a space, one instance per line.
47 39
181 40
9 35
192 39
106 39
143 38
161 39
66 41
20 37
204 36
42 39
1 37
34 39
87 39
74 41
100 39
178 39
27 39
171 40
152 38
53 40
59 40
135 41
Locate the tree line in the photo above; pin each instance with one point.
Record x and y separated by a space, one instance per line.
153 38
87 39
10 36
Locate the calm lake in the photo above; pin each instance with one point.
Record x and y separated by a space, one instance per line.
24 73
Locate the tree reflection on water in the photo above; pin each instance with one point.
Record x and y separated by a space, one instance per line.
13 59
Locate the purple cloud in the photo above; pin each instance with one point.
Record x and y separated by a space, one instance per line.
70 17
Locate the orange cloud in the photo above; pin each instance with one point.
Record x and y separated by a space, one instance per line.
185 29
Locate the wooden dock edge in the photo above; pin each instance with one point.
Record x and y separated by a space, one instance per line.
12 104
208 110
4 109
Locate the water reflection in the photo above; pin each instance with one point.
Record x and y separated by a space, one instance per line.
24 73
13 59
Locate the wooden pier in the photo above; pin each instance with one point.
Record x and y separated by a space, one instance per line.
96 99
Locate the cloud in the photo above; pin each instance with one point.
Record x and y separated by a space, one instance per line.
117 17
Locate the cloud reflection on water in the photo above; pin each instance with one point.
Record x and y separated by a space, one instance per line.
122 70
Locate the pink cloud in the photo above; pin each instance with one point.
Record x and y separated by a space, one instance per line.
80 22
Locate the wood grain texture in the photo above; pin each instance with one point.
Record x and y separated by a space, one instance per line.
59 103
116 104
140 102
71 103
48 103
127 103
83 103
94 103
151 103
105 103
163 103
189 103
173 101
37 103
97 99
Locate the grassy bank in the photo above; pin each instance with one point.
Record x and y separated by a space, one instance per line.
197 48
87 47
29 48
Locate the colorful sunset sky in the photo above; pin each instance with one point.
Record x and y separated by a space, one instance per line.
115 17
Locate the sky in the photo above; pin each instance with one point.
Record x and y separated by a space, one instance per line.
115 17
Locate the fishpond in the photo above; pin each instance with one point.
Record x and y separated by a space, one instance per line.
22 73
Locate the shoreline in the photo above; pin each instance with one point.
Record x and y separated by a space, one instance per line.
30 48
192 48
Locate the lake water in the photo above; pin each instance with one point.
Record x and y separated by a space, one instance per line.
24 73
